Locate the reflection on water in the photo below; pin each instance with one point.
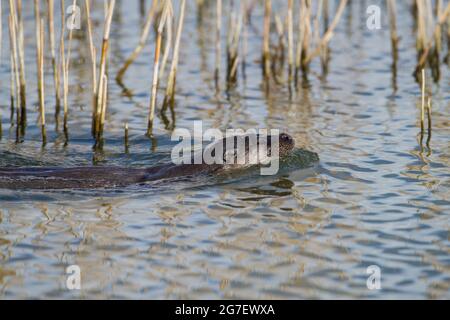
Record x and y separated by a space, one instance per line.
376 197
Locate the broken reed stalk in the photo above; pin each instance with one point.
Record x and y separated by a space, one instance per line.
429 117
93 55
266 39
160 30
218 48
171 81
328 34
142 40
126 137
290 27
101 80
422 109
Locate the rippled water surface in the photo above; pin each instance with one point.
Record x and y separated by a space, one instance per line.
375 198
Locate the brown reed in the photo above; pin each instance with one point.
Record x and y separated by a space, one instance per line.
126 143
18 43
218 47
93 55
234 31
142 40
15 70
1 31
290 29
422 109
327 35
51 31
14 66
104 102
245 17
160 30
266 39
40 65
171 81
428 46
62 68
392 11
21 52
101 81
168 44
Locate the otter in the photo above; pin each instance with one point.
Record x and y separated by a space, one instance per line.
109 177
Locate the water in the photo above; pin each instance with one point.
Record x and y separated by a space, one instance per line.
375 198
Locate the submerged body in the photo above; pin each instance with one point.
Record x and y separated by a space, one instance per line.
109 177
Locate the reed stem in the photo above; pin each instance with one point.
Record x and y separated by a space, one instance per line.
142 40
170 90
218 47
422 109
266 39
160 30
102 73
51 31
328 34
290 27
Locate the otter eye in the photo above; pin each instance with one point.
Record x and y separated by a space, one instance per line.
284 137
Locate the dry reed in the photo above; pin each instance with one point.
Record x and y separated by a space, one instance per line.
266 39
327 35
160 30
392 11
40 65
142 40
51 31
93 55
126 143
422 109
1 31
168 44
218 47
21 52
290 29
101 81
171 81
234 30
428 46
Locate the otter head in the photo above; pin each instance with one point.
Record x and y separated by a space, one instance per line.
285 144
255 149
